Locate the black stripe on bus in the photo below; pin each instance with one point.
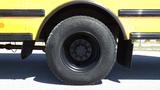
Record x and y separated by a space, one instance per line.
144 35
15 36
139 12
22 12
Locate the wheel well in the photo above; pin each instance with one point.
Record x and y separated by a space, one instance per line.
92 10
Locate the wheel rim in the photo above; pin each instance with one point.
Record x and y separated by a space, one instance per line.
81 52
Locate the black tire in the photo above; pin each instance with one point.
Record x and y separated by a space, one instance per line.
81 50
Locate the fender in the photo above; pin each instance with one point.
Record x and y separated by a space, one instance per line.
123 34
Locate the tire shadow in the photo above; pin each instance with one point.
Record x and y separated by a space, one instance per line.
13 67
143 67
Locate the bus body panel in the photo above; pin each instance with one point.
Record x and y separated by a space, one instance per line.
32 24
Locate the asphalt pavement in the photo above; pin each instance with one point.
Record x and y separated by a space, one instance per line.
33 74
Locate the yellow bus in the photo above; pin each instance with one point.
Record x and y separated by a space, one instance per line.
83 38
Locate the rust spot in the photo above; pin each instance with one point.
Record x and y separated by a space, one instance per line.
1 25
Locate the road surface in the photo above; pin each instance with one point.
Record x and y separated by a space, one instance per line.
33 74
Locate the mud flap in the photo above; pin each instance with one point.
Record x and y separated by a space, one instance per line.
124 53
27 49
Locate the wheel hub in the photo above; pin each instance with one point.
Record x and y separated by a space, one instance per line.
80 50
